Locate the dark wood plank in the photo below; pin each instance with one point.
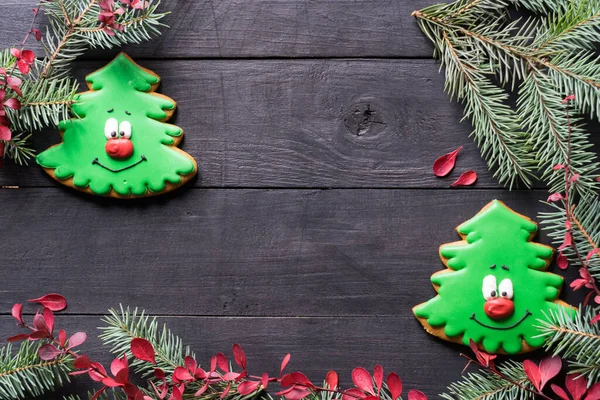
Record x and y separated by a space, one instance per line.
267 28
317 345
309 123
239 252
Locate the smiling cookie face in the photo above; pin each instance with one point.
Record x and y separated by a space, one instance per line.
495 288
118 143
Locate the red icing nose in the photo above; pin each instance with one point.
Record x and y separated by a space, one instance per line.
499 308
120 149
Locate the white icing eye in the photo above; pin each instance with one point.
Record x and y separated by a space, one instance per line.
110 128
125 129
489 287
506 289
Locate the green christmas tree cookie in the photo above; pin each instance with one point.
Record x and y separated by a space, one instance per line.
118 144
495 288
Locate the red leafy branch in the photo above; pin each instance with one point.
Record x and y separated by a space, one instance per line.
539 376
219 381
586 280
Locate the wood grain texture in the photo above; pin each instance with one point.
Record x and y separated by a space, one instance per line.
317 345
307 123
267 28
237 252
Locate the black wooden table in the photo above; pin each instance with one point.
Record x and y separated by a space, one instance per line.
314 225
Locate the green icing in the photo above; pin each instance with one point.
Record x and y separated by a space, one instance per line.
122 86
499 236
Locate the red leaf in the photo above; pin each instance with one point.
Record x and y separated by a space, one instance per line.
568 239
595 319
16 312
118 365
247 387
39 322
353 394
18 338
574 178
62 337
559 392
225 392
201 390
416 395
558 166
28 56
222 362
378 376
568 98
143 350
332 379
593 392
296 378
576 385
15 52
77 339
190 364
444 164
182 374
82 362
97 394
23 67
213 364
14 81
13 103
597 299
284 363
533 373
395 385
362 380
38 35
49 319
264 380
239 356
295 393
549 368
555 197
48 352
591 254
52 301
562 261
466 179
5 133
110 382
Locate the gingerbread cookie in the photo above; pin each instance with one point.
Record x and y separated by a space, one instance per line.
495 289
117 143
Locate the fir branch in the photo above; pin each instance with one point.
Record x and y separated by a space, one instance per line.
23 374
18 150
575 339
124 325
487 385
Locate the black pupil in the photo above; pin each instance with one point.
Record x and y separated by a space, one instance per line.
113 134
504 294
122 133
493 293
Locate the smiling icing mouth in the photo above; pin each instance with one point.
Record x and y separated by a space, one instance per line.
141 160
502 328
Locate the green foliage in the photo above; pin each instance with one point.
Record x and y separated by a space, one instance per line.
547 56
485 385
576 340
49 89
124 325
23 374
107 395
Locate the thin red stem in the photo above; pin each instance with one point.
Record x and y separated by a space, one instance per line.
568 208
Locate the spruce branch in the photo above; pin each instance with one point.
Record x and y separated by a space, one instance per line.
508 382
123 325
538 53
575 339
23 374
